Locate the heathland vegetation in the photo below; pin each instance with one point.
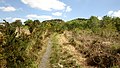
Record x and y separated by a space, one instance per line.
78 43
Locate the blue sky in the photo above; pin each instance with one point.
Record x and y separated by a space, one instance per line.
63 9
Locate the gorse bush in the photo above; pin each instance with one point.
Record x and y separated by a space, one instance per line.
14 49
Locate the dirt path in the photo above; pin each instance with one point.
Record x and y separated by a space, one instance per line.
45 59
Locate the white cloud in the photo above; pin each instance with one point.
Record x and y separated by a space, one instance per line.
47 5
8 18
57 14
8 9
0 20
23 20
68 9
100 18
110 12
114 13
34 16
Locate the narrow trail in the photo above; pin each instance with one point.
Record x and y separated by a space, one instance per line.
45 59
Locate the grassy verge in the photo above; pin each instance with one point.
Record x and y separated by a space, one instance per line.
55 52
61 58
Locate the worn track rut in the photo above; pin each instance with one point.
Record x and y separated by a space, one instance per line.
45 59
